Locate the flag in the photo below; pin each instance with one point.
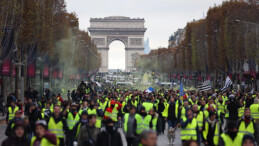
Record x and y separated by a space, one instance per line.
205 86
149 90
228 83
181 93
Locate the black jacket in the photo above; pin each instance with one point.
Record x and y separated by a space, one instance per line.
10 141
106 139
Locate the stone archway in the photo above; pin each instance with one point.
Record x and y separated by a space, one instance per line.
131 32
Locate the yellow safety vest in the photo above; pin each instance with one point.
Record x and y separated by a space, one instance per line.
103 105
11 113
135 103
200 119
56 128
165 112
229 142
126 119
216 132
59 102
142 124
189 132
221 106
98 123
148 106
154 123
112 115
183 112
254 108
78 130
241 111
249 130
44 141
71 121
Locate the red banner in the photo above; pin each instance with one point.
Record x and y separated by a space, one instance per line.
60 74
6 67
46 71
178 77
31 70
55 73
185 76
78 76
208 77
199 78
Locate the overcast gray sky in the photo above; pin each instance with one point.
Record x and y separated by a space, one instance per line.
162 17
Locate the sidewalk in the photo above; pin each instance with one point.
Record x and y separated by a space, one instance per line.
2 118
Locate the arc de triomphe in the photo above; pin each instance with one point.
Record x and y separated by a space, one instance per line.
130 31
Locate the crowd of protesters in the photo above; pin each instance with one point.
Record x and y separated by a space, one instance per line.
92 115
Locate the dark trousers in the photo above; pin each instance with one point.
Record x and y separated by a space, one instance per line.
61 142
172 123
161 125
131 141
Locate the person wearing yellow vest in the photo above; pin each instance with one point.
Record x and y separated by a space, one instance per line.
130 125
102 103
83 108
11 111
221 104
153 121
83 121
144 121
88 133
160 109
94 110
255 110
72 117
189 126
183 109
112 111
147 105
171 113
11 123
231 137
246 124
47 111
58 125
42 136
199 115
211 130
59 99
193 100
134 102
18 137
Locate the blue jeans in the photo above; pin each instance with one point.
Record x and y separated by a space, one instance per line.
171 123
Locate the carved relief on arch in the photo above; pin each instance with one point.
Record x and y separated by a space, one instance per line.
124 39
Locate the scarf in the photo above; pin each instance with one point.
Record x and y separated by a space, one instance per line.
212 123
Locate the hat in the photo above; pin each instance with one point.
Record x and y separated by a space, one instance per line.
84 113
211 114
73 104
42 123
112 102
19 123
108 121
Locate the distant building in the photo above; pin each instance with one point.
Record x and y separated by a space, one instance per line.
176 38
147 48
